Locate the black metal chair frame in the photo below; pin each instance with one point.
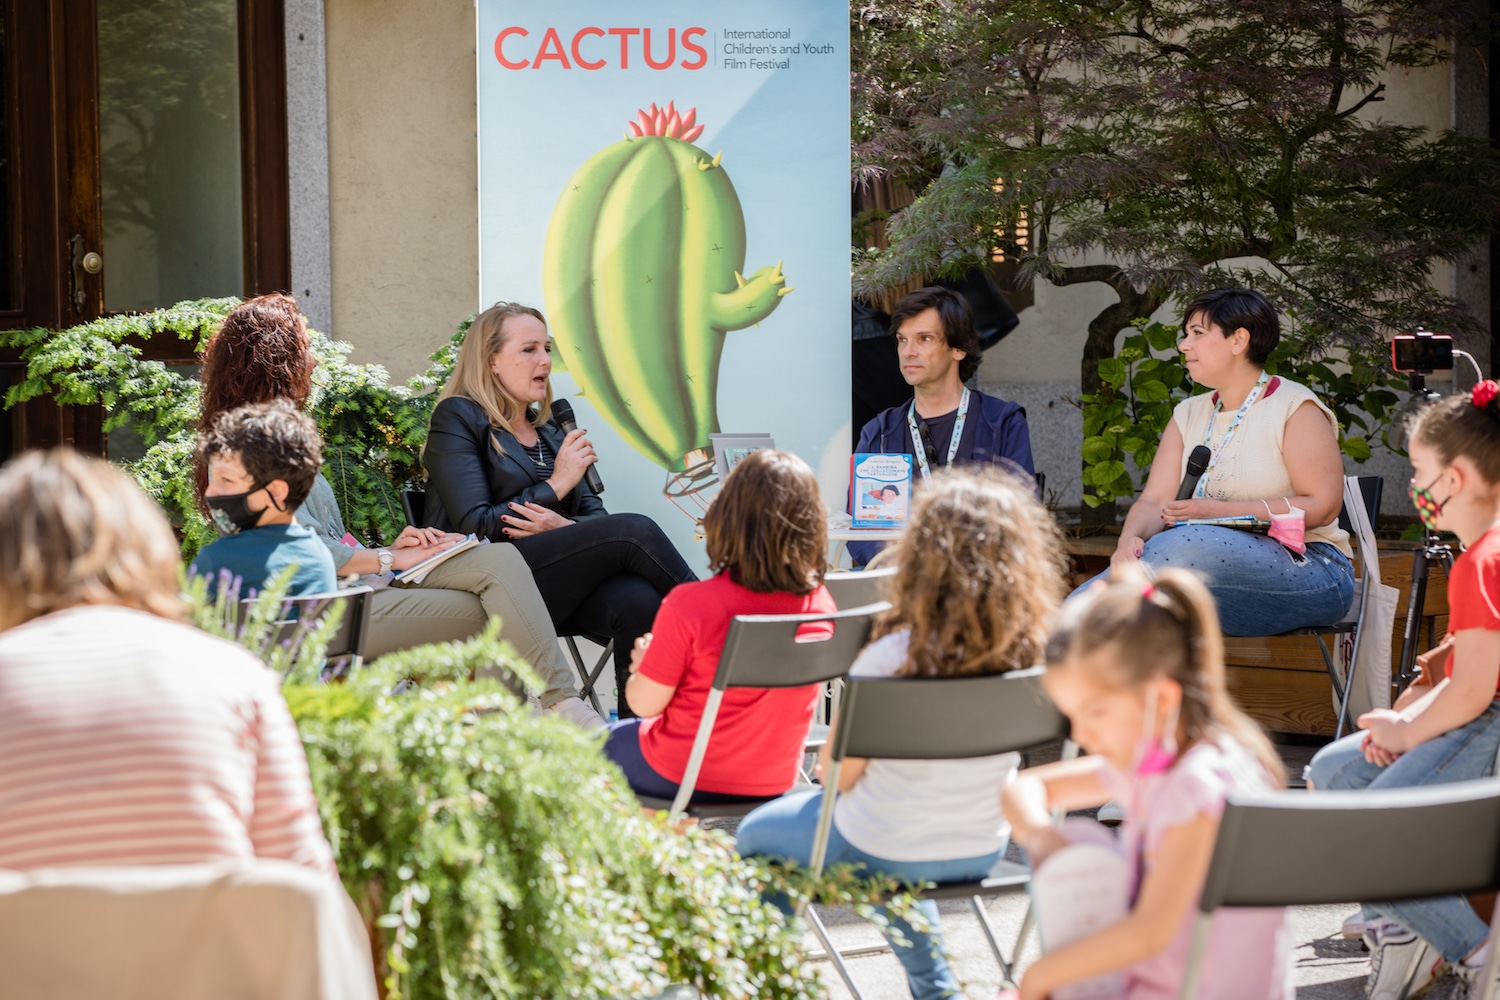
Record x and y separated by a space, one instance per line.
348 640
1370 489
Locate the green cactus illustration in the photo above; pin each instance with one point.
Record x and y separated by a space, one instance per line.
642 274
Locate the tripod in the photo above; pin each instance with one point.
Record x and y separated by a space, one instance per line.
1431 550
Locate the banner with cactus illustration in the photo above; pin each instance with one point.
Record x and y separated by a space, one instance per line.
668 181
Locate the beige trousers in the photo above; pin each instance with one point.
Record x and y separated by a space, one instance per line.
458 599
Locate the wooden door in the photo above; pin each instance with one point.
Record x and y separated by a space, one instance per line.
109 200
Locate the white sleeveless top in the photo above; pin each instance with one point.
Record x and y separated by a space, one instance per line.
1253 467
923 810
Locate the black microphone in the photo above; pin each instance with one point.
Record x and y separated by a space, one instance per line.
1197 465
562 412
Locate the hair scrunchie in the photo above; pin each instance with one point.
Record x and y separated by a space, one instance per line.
1483 395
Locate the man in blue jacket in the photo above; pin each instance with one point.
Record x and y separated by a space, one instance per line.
945 423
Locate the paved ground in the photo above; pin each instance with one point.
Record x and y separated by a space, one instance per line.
1328 966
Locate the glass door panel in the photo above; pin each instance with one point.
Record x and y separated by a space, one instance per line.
169 139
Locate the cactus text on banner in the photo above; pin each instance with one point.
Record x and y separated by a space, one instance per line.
668 181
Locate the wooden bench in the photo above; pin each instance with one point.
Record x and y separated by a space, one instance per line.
1281 683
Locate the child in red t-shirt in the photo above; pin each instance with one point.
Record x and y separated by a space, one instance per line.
1449 731
767 539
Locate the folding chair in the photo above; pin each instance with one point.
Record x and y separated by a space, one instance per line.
414 505
588 678
856 588
947 718
1342 851
256 929
1369 489
299 615
763 651
849 589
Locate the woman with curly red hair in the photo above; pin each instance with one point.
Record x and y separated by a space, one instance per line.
262 352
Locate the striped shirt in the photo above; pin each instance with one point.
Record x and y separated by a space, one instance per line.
128 739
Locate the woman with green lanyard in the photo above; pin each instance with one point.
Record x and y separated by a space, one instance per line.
1273 454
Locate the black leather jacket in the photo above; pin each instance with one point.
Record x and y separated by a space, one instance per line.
471 484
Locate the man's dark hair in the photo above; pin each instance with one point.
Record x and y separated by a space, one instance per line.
273 440
957 319
1232 308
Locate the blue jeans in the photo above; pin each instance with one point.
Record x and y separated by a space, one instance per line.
1467 753
1260 587
784 830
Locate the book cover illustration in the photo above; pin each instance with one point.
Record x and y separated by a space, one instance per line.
882 490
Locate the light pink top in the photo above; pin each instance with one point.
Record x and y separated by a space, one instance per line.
1249 950
132 740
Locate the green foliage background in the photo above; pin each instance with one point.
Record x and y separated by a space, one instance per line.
497 851
372 430
1146 379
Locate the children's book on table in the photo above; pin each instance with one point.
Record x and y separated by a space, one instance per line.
882 490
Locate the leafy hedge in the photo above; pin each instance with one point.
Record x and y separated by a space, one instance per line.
495 852
372 430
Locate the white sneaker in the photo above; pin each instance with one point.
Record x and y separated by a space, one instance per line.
1468 981
576 711
1355 924
1402 965
1111 812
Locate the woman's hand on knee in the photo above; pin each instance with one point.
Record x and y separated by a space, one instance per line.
530 519
1191 509
412 536
1129 550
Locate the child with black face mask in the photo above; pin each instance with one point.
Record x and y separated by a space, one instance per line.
262 460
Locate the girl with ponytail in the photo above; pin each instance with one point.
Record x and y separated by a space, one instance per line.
1137 665
1448 730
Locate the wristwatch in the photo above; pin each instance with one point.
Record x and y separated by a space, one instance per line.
385 557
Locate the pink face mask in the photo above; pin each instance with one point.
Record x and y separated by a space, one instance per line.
1155 755
1290 529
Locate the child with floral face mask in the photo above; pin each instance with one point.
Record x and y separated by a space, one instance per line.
1448 730
1138 668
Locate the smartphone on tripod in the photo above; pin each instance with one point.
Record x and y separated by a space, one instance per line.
1419 355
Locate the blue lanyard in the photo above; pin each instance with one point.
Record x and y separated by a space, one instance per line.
920 450
1234 424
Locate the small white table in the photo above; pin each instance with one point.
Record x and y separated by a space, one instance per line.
840 533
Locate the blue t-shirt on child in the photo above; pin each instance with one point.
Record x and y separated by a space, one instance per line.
256 555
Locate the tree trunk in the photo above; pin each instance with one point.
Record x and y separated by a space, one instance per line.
1103 329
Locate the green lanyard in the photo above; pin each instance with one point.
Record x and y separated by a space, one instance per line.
1234 424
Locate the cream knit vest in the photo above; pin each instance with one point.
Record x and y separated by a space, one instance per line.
1253 467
